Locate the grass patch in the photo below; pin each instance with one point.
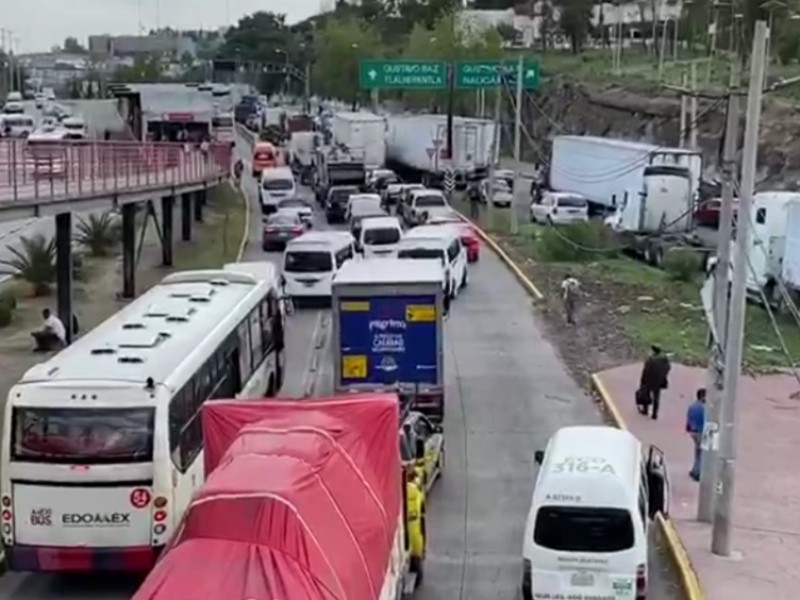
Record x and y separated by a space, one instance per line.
629 305
224 225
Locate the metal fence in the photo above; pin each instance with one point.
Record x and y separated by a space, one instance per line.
37 171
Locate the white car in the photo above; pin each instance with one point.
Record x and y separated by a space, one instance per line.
423 204
303 208
39 99
442 242
559 208
379 236
13 108
502 196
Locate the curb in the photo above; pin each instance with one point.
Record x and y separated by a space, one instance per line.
690 582
523 279
246 232
689 579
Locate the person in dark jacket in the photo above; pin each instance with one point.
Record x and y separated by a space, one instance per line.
474 197
654 378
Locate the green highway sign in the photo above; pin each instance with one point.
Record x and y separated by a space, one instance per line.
474 75
402 74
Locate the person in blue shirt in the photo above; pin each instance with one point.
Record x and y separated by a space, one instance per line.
695 421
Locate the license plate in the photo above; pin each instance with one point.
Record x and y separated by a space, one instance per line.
582 579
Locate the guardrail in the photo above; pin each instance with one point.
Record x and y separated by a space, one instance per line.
50 170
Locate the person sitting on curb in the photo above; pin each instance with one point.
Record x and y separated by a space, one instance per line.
52 335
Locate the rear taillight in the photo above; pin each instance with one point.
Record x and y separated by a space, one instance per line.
269 229
159 516
6 501
641 582
298 229
160 502
527 580
6 515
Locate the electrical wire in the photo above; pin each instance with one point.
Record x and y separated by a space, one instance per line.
609 174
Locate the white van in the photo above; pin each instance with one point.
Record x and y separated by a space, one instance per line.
379 237
311 261
586 533
16 126
442 242
277 183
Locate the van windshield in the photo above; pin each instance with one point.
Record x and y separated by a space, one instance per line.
380 237
308 262
277 185
83 435
421 253
583 529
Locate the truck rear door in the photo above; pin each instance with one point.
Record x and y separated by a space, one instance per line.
388 340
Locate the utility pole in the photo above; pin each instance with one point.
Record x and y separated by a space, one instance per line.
693 108
517 144
662 50
723 521
682 132
496 139
716 370
451 92
713 45
307 87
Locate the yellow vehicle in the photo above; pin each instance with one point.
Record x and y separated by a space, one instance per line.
422 437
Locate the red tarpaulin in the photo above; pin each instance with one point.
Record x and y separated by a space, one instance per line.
302 503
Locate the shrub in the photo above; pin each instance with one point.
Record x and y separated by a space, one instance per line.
576 242
98 234
34 261
8 298
682 264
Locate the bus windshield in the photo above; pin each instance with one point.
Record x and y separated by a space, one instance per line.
83 435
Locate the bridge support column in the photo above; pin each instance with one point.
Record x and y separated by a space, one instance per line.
199 200
167 206
64 271
129 250
186 217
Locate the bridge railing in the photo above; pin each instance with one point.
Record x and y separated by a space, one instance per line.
62 169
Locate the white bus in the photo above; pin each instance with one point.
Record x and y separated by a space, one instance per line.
102 444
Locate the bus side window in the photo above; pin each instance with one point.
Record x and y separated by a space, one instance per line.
643 498
245 364
256 346
266 326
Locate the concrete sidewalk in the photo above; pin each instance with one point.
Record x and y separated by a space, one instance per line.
766 510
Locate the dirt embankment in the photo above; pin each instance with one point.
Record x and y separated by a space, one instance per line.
647 113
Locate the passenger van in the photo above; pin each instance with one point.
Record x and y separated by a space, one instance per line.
379 237
312 260
265 156
586 534
16 126
442 242
276 184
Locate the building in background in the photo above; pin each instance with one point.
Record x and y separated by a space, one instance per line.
140 46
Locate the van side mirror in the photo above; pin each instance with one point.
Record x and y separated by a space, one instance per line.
538 456
419 449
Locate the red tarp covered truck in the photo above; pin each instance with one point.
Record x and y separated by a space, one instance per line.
306 500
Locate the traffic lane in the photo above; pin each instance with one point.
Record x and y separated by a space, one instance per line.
30 586
303 326
507 392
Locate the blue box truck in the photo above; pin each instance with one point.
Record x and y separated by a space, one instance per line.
387 330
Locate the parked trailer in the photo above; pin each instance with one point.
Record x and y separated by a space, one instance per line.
610 172
416 148
362 136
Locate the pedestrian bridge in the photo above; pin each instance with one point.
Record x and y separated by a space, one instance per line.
39 178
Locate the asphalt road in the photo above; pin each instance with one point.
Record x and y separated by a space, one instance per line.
507 392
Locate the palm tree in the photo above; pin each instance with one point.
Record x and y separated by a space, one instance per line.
34 261
98 234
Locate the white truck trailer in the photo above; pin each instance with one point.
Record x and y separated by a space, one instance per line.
362 136
416 147
608 172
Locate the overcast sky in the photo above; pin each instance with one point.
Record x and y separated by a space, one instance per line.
40 24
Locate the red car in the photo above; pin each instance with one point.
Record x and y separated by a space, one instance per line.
469 237
707 212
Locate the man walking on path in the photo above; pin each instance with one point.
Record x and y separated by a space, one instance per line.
474 196
695 421
570 288
654 378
